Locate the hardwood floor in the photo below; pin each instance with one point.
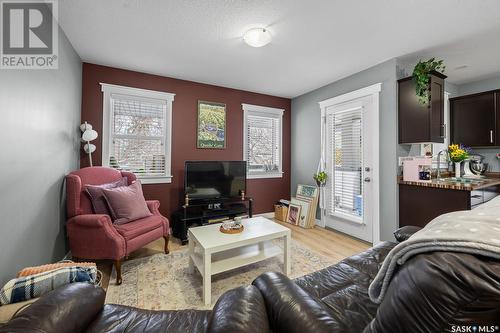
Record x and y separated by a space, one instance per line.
323 241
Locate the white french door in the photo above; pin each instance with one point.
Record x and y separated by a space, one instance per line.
351 161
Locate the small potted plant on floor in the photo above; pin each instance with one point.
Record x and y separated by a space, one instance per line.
458 153
320 178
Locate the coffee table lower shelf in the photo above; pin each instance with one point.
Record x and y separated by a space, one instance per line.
234 258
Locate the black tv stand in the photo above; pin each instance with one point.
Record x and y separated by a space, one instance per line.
197 212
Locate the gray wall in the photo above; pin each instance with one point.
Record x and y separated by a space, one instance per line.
40 112
476 87
306 117
479 86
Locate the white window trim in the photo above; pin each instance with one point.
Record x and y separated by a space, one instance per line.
111 89
258 110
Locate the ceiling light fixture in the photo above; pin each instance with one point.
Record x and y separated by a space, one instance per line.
257 37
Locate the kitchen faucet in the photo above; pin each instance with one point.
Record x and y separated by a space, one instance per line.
439 163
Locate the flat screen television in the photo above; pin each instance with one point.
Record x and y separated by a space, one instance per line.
215 179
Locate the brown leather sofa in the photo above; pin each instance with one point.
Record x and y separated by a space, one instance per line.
433 292
79 307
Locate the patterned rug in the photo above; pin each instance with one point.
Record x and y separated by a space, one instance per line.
162 281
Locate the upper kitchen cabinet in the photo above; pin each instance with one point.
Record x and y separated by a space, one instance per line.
421 122
474 119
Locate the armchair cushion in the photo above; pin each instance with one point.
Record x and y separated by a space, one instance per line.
95 192
140 227
127 203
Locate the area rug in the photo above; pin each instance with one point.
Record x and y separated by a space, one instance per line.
163 282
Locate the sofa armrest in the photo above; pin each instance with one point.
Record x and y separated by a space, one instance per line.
405 232
70 308
240 310
90 220
291 309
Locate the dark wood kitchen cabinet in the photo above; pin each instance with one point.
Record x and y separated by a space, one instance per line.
421 122
418 205
475 119
497 115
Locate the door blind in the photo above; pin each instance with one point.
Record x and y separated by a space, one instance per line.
345 143
138 135
263 140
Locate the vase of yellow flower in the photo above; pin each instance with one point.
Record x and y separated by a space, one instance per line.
458 171
458 154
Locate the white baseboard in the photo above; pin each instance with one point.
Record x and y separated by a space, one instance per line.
68 256
269 215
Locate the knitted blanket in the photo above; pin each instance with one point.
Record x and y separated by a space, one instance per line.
27 287
475 232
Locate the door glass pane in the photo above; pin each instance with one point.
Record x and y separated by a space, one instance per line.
345 145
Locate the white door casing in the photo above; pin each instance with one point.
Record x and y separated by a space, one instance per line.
363 102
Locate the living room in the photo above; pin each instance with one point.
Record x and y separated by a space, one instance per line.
250 166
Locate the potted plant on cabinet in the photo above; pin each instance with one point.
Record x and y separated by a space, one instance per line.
458 153
421 77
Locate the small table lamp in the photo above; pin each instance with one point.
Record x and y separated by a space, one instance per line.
88 135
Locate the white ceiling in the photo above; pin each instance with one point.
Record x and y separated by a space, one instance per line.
314 42
466 60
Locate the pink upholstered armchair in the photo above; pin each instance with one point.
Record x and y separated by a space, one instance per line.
94 236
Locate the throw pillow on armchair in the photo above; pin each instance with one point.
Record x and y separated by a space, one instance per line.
126 203
95 192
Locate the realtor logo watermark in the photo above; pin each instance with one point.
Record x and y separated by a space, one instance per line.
29 34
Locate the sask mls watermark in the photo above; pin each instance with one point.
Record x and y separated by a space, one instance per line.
29 34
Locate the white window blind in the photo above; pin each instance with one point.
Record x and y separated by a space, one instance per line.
138 136
263 147
139 133
262 137
345 148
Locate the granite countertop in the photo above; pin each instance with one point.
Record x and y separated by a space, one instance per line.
450 184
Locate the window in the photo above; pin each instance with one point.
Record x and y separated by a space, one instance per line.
262 139
137 132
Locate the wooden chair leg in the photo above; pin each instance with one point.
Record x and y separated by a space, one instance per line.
167 237
118 267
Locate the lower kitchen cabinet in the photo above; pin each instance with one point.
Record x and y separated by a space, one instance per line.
418 205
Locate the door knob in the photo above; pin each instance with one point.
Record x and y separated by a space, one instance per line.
367 180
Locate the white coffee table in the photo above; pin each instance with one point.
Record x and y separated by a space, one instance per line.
213 252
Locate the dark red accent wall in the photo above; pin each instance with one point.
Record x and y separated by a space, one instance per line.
184 113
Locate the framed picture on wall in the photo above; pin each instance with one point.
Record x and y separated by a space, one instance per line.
211 131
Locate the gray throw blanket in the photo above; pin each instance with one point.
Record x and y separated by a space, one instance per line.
475 232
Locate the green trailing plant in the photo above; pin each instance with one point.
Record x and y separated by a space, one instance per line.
320 178
421 77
